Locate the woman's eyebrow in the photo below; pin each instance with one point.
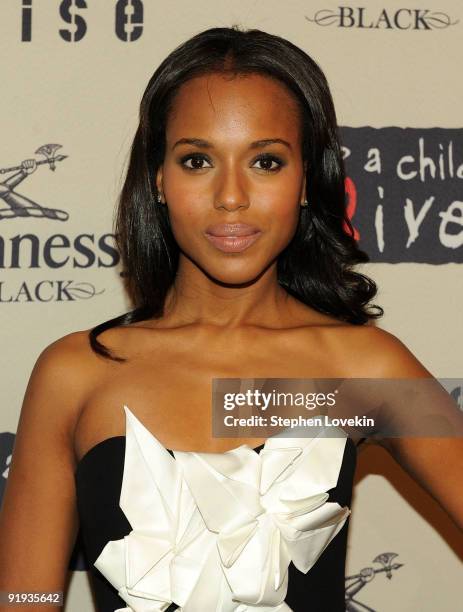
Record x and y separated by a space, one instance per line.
204 144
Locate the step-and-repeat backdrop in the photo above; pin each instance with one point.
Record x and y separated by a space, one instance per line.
72 74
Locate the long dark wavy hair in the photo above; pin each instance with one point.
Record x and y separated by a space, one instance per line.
317 265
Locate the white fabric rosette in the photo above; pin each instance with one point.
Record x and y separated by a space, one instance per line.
160 560
217 531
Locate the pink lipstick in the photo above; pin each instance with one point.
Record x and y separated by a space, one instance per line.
232 237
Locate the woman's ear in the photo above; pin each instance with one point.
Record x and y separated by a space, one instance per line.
304 184
159 188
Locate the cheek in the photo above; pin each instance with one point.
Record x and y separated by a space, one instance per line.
280 201
185 215
285 223
183 197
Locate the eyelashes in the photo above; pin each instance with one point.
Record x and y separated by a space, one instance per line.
267 159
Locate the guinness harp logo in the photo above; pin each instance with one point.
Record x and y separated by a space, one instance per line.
13 204
356 582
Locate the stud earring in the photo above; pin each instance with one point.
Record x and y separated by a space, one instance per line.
159 198
305 203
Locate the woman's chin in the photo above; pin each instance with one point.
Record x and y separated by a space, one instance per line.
240 275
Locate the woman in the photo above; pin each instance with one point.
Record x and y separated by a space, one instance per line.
239 260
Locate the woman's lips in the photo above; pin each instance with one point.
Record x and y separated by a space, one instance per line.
232 237
233 244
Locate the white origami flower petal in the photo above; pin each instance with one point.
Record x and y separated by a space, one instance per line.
140 557
160 560
231 545
227 484
151 483
305 545
260 574
142 602
275 462
287 518
187 566
317 470
296 507
211 592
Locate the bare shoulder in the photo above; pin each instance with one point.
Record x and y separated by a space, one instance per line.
62 376
69 356
382 354
66 349
74 355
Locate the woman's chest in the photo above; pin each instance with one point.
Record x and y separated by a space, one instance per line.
171 390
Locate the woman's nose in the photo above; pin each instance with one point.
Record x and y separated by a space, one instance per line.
231 189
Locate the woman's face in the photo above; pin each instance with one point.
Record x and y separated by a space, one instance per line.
233 155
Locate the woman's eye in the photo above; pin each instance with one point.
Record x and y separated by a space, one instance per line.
269 163
196 162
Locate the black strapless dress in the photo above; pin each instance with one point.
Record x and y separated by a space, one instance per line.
99 477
